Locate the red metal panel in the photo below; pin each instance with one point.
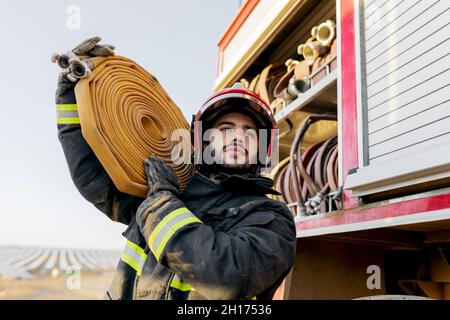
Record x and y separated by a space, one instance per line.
348 102
402 208
234 27
240 18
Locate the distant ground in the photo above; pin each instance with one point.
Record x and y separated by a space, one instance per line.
92 287
55 273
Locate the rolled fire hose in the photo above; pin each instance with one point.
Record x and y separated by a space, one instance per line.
125 117
320 163
285 182
318 176
260 87
322 166
253 83
301 76
275 175
267 81
302 70
275 82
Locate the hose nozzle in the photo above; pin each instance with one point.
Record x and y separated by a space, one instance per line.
73 65
63 60
82 68
312 50
298 87
326 33
313 204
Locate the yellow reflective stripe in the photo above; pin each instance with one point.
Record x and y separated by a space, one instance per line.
132 263
181 286
67 114
172 231
66 107
254 298
167 227
134 256
165 220
136 249
68 120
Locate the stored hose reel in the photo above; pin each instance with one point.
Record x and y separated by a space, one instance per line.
322 175
308 179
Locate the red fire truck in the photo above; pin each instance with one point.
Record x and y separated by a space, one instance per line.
390 92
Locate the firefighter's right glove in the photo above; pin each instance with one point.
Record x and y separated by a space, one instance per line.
160 177
65 91
76 64
162 206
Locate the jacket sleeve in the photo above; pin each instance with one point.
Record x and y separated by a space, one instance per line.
88 175
250 259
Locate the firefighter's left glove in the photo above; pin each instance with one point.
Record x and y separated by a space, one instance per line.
160 177
163 189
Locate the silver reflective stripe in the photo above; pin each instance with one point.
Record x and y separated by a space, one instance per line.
134 259
179 284
166 228
177 278
67 114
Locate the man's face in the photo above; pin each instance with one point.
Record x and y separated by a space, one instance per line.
234 140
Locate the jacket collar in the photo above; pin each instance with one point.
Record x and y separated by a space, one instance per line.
246 184
200 186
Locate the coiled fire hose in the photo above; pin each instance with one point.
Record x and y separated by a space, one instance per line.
318 168
125 117
279 84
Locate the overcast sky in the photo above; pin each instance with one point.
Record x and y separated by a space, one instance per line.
174 40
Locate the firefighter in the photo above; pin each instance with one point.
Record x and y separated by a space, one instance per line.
221 238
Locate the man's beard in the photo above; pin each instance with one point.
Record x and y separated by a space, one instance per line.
233 168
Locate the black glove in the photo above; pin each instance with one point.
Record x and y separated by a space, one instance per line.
90 47
160 177
161 202
65 91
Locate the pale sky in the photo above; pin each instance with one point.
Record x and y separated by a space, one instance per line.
174 40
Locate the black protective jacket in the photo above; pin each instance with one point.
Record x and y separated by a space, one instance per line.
243 248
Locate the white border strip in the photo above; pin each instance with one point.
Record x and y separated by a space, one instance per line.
339 93
358 75
429 216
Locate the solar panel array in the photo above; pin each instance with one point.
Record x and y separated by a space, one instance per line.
41 260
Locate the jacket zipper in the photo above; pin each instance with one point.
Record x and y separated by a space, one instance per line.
172 275
135 289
